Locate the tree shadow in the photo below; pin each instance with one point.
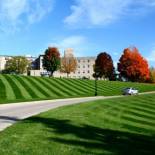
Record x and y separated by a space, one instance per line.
91 137
7 118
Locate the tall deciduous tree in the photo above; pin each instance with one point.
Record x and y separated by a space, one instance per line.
133 66
51 60
68 64
17 65
104 66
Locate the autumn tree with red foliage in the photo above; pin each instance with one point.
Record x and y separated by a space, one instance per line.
51 60
133 66
104 66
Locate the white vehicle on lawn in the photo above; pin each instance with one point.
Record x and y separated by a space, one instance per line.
130 91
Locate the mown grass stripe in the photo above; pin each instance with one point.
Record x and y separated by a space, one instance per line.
9 91
133 118
143 104
14 86
37 86
103 86
133 121
129 110
57 87
84 85
126 126
134 109
143 107
75 84
22 89
88 84
149 111
35 90
72 87
2 90
137 119
48 86
137 124
118 108
43 86
113 119
64 87
27 87
141 114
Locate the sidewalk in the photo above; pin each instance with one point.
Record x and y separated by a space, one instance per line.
11 113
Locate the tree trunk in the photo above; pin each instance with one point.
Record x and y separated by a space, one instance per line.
67 75
51 75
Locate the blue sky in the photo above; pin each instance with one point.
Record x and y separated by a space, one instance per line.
28 27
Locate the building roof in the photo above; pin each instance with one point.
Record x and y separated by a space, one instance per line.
89 57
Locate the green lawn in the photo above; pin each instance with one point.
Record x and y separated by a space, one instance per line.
21 88
122 126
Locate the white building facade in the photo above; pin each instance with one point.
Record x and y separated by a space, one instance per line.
85 67
3 60
2 63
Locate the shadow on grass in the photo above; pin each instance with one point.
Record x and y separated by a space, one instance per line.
7 118
95 138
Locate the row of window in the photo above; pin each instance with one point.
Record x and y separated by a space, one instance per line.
83 61
84 66
84 72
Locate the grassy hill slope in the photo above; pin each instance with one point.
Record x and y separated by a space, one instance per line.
21 88
122 126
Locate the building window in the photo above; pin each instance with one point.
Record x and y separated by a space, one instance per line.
88 66
78 66
83 72
79 61
88 71
78 72
83 66
84 61
88 60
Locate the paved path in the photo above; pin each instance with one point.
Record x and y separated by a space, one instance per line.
11 113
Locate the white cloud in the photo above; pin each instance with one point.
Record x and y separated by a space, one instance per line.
42 7
102 12
77 42
151 57
14 13
73 41
12 10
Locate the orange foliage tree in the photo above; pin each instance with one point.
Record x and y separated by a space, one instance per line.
68 65
133 66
